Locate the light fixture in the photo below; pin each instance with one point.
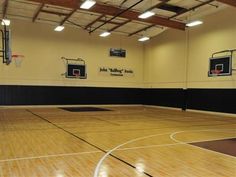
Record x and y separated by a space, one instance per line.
87 4
142 39
59 28
194 23
146 14
105 34
6 22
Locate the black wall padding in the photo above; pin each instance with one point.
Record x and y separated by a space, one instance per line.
164 97
52 95
217 100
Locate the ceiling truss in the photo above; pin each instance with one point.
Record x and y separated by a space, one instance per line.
229 2
113 11
107 14
5 5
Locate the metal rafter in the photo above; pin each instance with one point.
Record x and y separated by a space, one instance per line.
111 10
180 13
117 15
120 25
158 5
143 29
76 24
68 16
152 25
229 2
37 12
96 20
192 8
123 2
210 4
54 12
110 22
5 6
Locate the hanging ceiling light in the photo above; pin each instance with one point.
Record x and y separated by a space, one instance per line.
194 23
59 28
6 22
142 39
146 14
87 4
105 34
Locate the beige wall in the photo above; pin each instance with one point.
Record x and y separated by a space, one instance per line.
43 49
165 58
173 59
177 59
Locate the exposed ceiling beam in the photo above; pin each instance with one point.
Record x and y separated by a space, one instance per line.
210 4
120 25
76 24
123 2
94 21
150 26
192 8
111 10
54 13
143 29
229 2
158 5
117 15
4 10
37 12
68 16
111 22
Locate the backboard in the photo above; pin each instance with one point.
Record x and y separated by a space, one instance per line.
220 66
76 71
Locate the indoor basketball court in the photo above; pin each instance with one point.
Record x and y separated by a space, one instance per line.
101 88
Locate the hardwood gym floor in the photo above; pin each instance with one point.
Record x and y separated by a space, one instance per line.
127 141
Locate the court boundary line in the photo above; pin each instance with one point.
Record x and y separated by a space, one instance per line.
171 144
172 136
104 150
49 156
85 141
139 147
121 149
97 169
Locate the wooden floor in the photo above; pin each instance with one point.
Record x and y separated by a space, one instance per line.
128 141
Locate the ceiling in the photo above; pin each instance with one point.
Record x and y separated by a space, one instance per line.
103 16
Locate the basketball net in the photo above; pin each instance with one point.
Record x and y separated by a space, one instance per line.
215 72
77 75
18 59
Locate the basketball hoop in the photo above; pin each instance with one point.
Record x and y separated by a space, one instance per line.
18 59
215 72
77 75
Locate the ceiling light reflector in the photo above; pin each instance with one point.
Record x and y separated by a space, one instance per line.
142 39
194 23
105 34
59 28
6 22
146 14
87 4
